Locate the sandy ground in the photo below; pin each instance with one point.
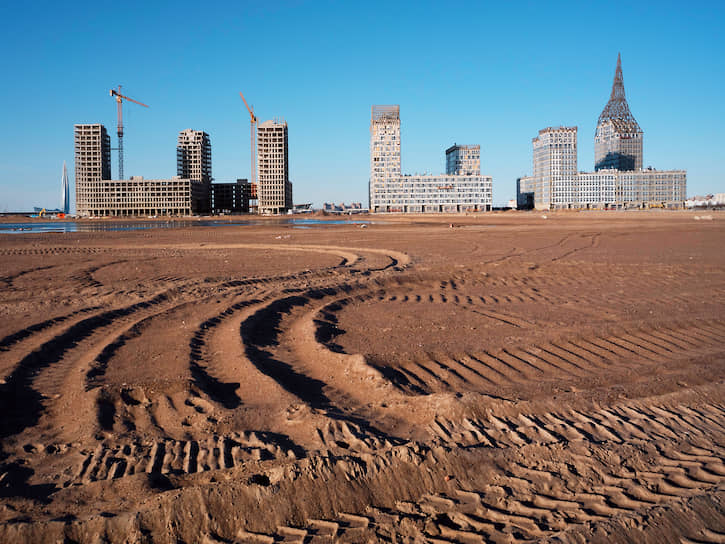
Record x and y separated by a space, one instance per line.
507 379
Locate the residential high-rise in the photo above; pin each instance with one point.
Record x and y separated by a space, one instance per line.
384 150
92 164
274 189
461 189
65 191
193 155
463 160
555 165
618 138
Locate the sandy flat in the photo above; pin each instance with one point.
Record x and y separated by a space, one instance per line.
484 378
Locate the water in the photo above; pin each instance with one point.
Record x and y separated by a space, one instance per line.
103 225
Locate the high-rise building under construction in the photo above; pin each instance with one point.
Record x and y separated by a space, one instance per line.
193 161
98 195
193 155
274 189
92 164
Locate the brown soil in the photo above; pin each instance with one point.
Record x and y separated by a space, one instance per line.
510 379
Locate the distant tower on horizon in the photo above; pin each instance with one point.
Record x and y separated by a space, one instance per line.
618 138
65 191
274 189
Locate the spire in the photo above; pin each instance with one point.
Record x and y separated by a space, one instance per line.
618 84
617 108
65 194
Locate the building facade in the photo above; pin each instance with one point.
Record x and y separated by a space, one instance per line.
461 189
193 155
92 164
618 138
525 193
463 160
98 195
146 197
231 197
555 165
431 194
193 161
619 181
274 189
384 151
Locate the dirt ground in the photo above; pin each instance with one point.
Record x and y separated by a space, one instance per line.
506 377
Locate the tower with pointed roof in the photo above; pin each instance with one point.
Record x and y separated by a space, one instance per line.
618 138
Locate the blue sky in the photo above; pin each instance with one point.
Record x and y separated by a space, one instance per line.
488 73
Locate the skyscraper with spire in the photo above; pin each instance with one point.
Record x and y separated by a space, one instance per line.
619 181
618 138
65 191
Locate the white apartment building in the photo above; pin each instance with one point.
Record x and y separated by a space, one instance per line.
555 161
463 189
384 152
274 189
443 193
92 164
463 160
556 184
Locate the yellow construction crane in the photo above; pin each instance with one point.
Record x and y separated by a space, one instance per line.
119 102
253 140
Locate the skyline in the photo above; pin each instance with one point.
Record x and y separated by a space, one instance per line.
321 67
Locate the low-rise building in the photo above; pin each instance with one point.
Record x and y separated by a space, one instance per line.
148 197
232 197
429 194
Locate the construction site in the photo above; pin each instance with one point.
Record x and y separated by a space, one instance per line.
510 380
192 190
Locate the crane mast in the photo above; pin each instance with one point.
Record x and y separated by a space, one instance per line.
252 140
119 109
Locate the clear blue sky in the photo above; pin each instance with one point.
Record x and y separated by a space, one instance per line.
488 73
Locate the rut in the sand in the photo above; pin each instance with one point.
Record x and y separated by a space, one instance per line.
116 460
561 479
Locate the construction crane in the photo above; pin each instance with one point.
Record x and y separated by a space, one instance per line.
119 103
253 140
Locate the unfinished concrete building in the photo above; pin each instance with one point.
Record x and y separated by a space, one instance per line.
463 160
146 197
92 164
274 188
193 161
98 195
